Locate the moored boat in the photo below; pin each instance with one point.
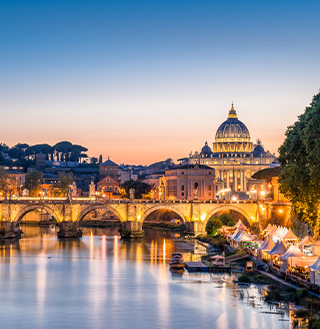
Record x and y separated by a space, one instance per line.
176 261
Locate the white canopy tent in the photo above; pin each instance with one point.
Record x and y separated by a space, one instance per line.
292 253
278 249
315 272
307 241
265 247
241 236
290 238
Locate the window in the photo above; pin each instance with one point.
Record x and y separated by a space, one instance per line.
182 187
182 172
209 172
182 194
196 185
209 193
209 187
110 188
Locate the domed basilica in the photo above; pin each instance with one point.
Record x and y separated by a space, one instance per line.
233 156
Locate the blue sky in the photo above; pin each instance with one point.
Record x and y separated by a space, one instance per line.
143 80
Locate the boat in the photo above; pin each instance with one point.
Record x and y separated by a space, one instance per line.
176 261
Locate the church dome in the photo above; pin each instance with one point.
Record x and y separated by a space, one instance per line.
206 150
258 151
232 129
232 137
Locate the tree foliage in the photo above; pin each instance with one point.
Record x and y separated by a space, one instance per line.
3 180
267 174
139 187
227 219
25 152
33 182
300 161
63 186
213 225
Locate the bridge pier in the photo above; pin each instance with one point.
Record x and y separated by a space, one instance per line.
132 230
69 229
195 228
10 230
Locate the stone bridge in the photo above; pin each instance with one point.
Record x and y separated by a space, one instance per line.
132 213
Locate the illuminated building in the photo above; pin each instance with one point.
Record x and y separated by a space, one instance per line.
189 182
233 155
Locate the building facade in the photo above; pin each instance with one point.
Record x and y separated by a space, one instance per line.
233 156
108 187
189 182
108 168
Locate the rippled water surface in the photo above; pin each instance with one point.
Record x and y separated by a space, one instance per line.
104 282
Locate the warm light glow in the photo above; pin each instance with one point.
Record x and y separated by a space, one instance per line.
262 193
203 217
223 191
280 211
139 217
234 198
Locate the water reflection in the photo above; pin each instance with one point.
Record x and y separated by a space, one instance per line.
102 281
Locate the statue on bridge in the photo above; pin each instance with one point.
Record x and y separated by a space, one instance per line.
132 192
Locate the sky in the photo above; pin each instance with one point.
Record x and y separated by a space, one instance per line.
143 81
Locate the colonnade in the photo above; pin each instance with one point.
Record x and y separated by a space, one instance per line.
237 181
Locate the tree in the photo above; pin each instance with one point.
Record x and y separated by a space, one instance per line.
140 188
70 152
267 174
63 186
94 160
227 220
33 182
299 157
3 180
213 225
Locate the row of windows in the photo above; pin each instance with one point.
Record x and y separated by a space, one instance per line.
196 185
110 188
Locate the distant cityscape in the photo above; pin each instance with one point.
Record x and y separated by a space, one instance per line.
224 171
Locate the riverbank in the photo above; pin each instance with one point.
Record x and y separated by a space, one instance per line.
100 223
168 226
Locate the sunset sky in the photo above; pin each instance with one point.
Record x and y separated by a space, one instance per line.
142 81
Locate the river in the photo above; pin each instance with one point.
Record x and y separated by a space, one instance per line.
101 281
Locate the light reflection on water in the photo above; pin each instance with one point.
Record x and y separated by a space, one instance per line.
104 282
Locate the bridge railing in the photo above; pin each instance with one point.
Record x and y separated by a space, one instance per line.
113 201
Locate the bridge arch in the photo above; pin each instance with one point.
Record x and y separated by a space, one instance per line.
27 209
230 207
88 209
160 207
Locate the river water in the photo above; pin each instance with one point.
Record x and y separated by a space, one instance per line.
104 282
